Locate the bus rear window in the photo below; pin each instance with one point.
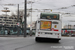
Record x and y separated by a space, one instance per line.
49 16
45 25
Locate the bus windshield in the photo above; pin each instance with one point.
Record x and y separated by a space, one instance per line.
45 25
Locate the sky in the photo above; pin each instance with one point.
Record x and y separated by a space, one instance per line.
65 7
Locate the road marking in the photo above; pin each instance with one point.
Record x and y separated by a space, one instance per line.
67 37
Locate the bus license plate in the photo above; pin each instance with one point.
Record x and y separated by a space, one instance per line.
48 33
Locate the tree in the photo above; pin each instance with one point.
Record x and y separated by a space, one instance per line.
21 13
21 16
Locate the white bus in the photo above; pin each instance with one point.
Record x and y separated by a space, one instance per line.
48 27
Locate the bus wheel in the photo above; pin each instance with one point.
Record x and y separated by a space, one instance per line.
37 39
57 41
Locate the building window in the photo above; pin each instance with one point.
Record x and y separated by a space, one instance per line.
10 18
3 22
15 20
11 25
1 17
0 22
7 20
5 17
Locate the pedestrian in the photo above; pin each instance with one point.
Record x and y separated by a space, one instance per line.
8 32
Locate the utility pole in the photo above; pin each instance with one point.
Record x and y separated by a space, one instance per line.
25 16
70 29
18 21
68 26
31 2
6 16
31 21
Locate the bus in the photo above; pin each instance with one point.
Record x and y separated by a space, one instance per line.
48 26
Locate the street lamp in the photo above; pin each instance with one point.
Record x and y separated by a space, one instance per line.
31 21
31 17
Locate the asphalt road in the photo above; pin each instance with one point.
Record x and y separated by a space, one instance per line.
28 43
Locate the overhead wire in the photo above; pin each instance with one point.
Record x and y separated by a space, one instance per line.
45 4
1 5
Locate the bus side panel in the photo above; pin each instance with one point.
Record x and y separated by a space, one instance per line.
37 28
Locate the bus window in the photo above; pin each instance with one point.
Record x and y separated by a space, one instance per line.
54 22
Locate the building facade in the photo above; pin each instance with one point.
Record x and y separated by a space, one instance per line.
69 26
8 21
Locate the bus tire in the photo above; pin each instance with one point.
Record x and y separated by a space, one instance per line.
57 41
37 39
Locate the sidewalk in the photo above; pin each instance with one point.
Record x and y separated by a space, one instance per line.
15 35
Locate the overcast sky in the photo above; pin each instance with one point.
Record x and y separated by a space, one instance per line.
63 6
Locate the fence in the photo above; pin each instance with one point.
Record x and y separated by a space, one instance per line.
14 31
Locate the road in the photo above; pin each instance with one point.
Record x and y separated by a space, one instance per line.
28 43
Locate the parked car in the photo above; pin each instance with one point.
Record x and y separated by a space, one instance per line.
64 34
73 35
28 32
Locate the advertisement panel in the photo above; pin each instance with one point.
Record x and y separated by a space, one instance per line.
45 25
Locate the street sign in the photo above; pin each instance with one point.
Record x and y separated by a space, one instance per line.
18 24
5 10
3 24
